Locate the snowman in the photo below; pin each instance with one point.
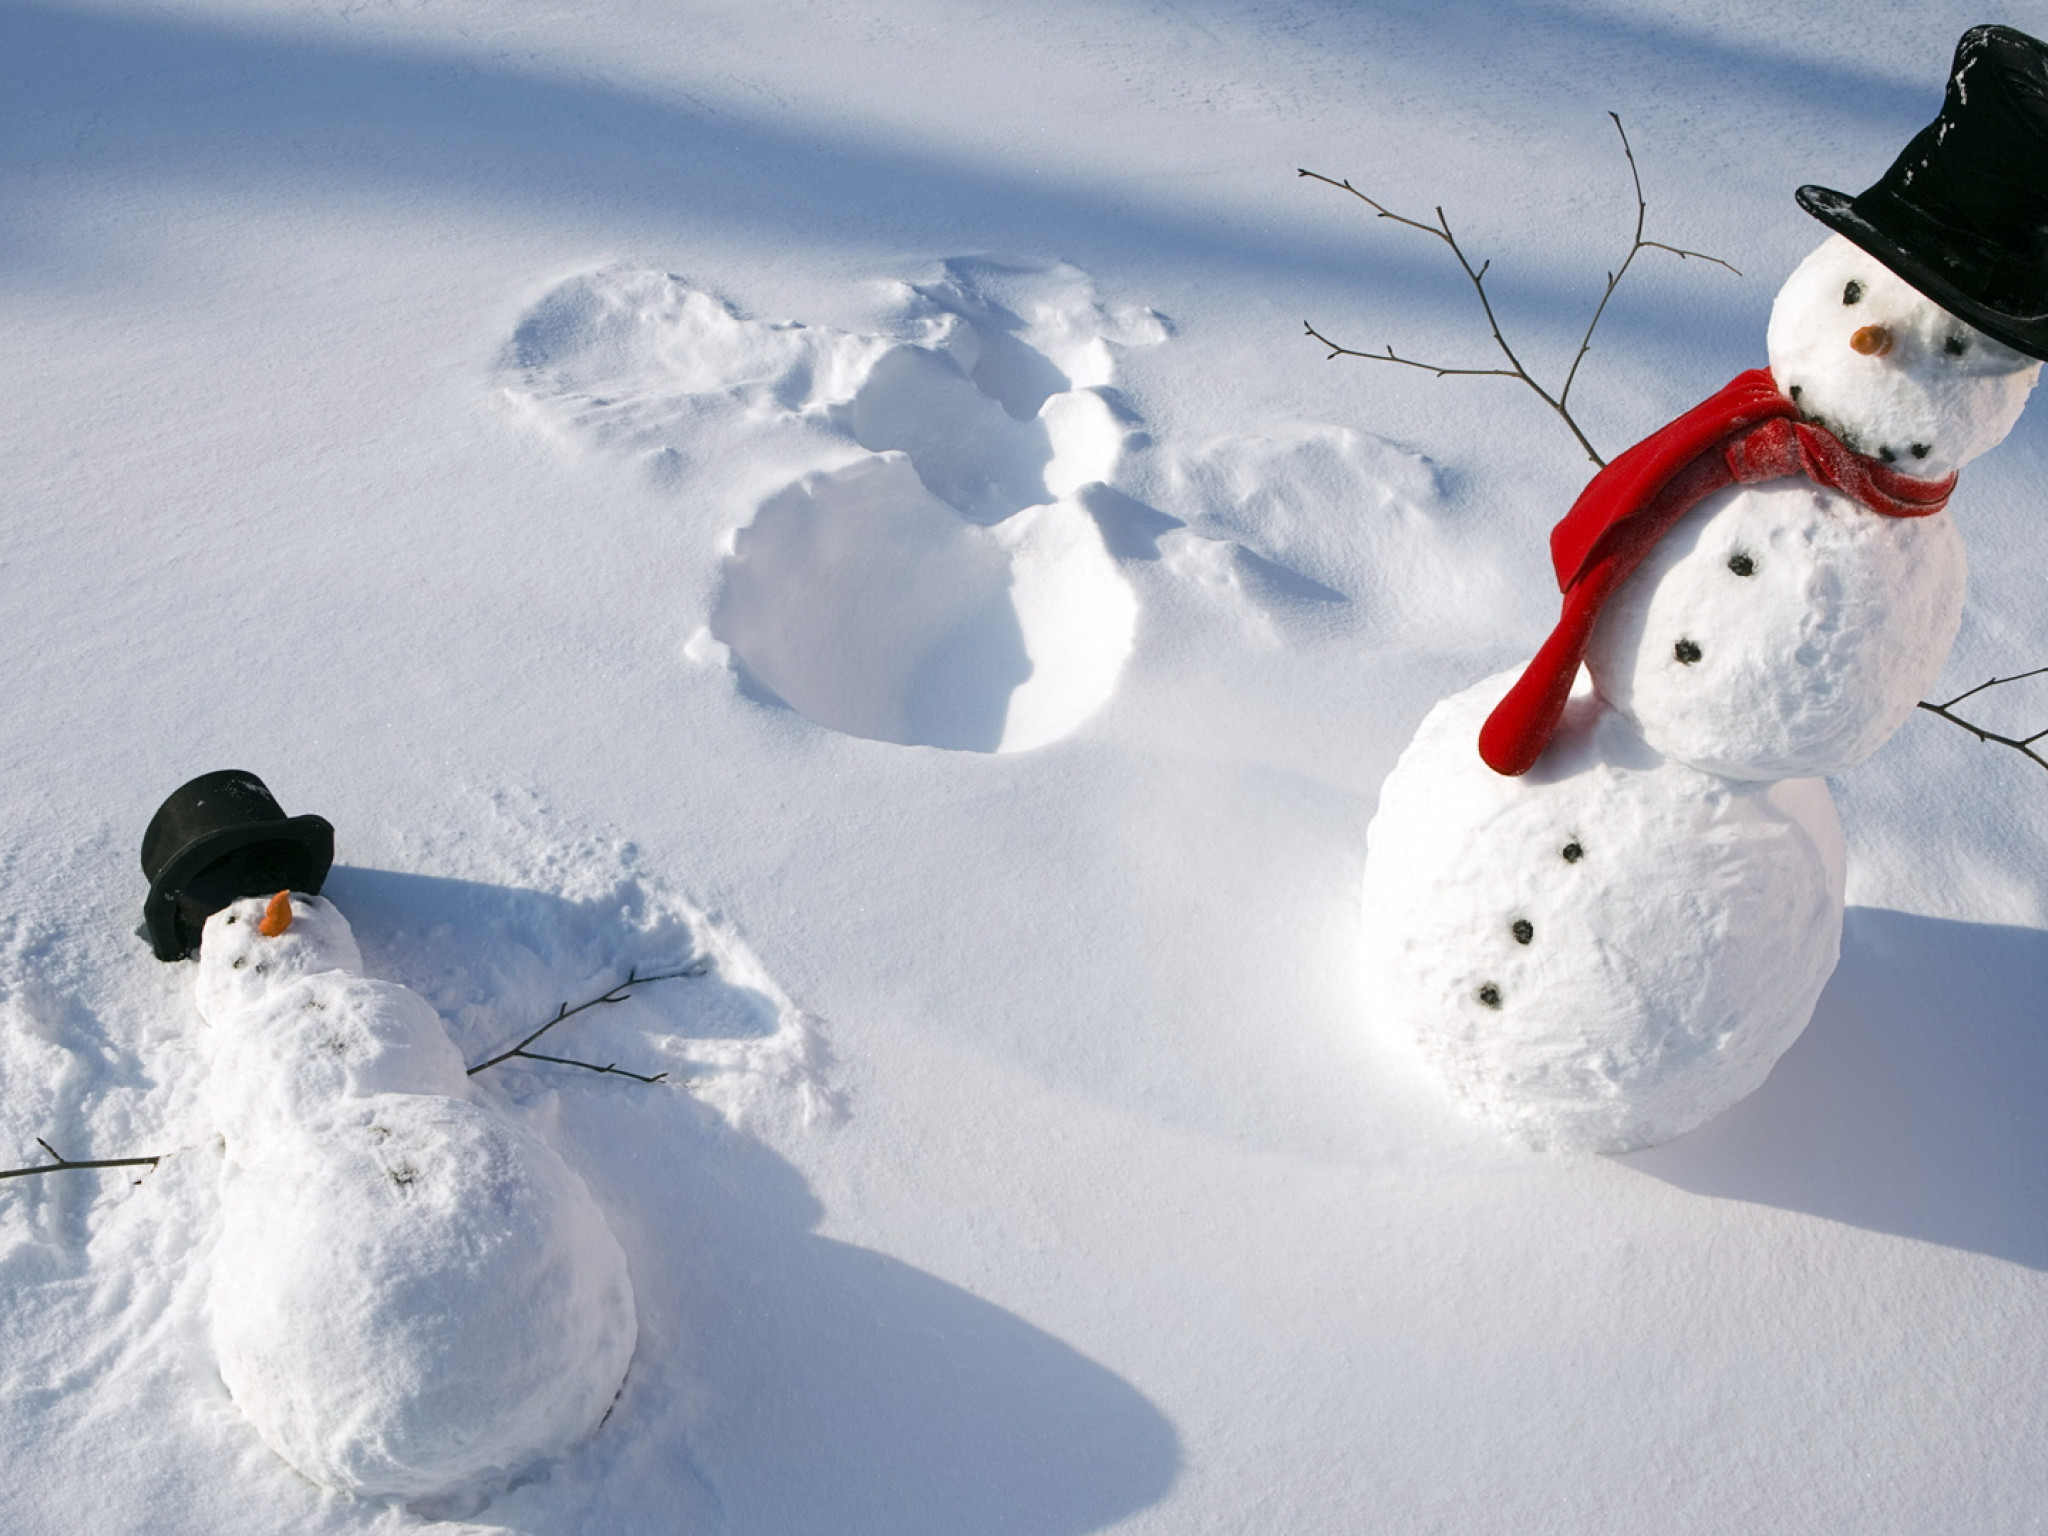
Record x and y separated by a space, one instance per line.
412 1295
1605 924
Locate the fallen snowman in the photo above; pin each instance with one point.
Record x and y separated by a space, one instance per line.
412 1295
1604 925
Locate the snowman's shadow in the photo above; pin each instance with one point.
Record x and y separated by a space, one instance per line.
819 1388
497 960
1916 1103
784 1381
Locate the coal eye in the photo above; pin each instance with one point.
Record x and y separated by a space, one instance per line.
1853 292
1956 346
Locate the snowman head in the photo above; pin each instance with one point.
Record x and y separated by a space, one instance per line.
1889 371
239 963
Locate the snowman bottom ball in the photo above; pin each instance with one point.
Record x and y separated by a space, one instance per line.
1605 952
412 1294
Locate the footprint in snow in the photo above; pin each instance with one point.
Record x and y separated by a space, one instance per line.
949 588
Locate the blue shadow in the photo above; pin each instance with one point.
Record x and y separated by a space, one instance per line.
218 106
844 1392
1916 1103
786 1383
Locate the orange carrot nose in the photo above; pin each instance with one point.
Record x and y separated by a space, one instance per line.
277 916
1872 341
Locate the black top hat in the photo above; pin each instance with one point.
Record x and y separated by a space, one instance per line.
1962 214
218 839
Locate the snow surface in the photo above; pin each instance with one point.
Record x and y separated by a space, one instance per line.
1036 1169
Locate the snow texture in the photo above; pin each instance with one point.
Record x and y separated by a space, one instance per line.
1606 951
1027 1164
947 589
412 1294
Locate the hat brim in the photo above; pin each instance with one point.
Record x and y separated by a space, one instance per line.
313 836
2023 333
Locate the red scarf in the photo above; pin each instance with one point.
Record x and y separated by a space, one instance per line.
1746 433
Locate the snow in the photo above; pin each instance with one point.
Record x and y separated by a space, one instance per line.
1604 952
946 590
1806 664
1028 1160
412 1294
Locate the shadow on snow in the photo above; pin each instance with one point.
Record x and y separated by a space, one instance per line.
786 1383
183 100
1916 1103
818 1388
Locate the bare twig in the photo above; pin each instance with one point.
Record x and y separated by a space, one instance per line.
2024 745
591 1066
62 1162
617 994
1441 230
1389 356
1636 245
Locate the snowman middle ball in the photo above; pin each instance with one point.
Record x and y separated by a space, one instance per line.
1606 951
1781 630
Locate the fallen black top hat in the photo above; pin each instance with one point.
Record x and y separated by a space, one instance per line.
217 839
1962 214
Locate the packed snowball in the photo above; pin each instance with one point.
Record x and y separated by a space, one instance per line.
1608 950
1781 630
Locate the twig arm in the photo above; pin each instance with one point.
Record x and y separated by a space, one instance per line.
591 1066
617 994
1637 244
62 1163
2024 745
1441 230
1377 207
1389 356
2017 677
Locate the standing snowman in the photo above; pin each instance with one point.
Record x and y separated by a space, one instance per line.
412 1295
1605 924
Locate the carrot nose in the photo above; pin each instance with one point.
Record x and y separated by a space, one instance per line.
1872 341
277 916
